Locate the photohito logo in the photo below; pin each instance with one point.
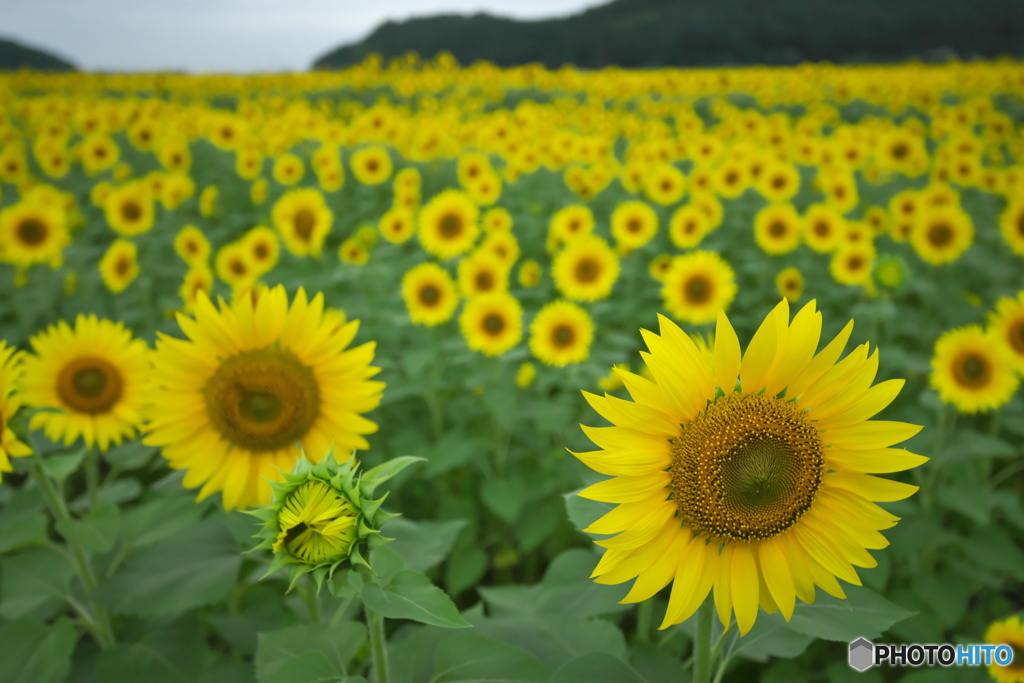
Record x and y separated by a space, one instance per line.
864 654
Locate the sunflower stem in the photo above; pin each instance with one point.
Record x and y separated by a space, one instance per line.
702 645
378 646
312 600
643 622
92 476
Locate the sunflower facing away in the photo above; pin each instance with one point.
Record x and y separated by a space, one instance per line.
10 401
250 384
758 490
93 375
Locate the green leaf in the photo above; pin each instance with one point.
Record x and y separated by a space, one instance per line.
422 544
973 503
98 532
62 465
132 455
22 531
771 637
410 595
596 667
381 473
416 361
158 519
31 652
166 653
455 448
863 614
475 659
554 640
309 652
538 523
504 497
992 548
261 610
32 578
584 512
464 569
385 563
196 567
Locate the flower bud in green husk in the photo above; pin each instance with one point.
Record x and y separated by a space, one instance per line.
323 515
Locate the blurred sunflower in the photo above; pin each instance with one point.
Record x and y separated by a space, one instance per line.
687 226
1010 632
941 234
790 283
98 153
778 182
823 228
503 245
448 224
119 266
129 209
731 179
486 189
586 269
492 323
31 232
634 224
397 225
697 286
659 266
252 386
1011 225
497 219
92 375
1006 322
853 264
664 184
191 245
198 278
561 334
263 249
777 229
288 169
371 165
757 490
568 223
249 164
530 273
481 272
303 219
353 251
234 267
10 401
430 294
973 370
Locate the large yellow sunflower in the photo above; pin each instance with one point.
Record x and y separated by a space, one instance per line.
492 323
303 219
697 286
430 294
448 224
10 401
758 490
253 382
586 270
561 333
93 375
1007 324
1007 632
31 232
941 234
973 370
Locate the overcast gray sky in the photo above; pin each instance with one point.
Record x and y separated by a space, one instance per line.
225 35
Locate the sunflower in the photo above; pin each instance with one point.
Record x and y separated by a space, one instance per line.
1011 225
561 334
710 206
492 323
757 490
331 179
525 375
176 188
698 285
471 166
823 227
1007 632
777 229
568 223
659 266
482 272
877 219
303 220
397 224
198 278
486 189
208 200
129 209
263 249
497 219
448 224
288 169
92 376
687 226
191 245
586 270
941 234
634 224
790 283
664 184
98 153
973 370
731 179
253 385
258 191
32 232
430 294
778 182
234 266
504 245
10 401
119 266
353 251
853 264
891 271
530 273
1007 324
371 165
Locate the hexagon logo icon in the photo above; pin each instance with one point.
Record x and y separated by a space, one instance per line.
862 654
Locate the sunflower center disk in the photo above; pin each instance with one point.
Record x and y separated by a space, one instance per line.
304 223
262 400
972 370
90 385
31 232
746 469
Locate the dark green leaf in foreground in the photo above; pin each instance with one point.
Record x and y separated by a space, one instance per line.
471 658
596 667
863 614
310 652
410 595
32 578
197 566
422 544
166 653
31 652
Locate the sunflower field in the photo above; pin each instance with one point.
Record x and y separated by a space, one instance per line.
421 373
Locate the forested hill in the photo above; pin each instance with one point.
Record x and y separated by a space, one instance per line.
17 56
650 33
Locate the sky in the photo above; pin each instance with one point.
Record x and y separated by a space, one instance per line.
225 35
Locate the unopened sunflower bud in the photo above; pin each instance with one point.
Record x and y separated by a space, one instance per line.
323 515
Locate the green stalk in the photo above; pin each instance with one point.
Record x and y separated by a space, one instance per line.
312 600
378 646
92 476
702 645
643 622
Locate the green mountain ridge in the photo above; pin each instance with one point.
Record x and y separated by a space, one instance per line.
654 33
14 55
